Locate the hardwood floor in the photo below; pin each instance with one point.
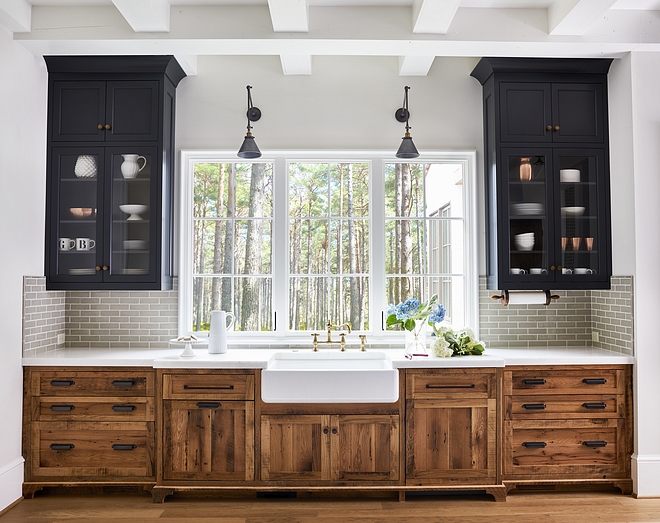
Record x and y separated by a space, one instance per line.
554 507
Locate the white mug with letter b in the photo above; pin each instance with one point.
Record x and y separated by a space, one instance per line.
537 270
517 271
583 270
84 244
66 244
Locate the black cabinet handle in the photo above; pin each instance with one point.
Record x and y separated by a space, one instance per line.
208 404
62 383
594 381
62 408
124 446
123 383
535 444
472 386
539 381
61 446
325 431
334 431
594 405
533 406
594 444
218 387
124 408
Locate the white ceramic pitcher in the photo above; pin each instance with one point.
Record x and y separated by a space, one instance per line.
130 167
221 322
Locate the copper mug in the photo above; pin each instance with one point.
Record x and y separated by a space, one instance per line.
564 241
576 243
589 242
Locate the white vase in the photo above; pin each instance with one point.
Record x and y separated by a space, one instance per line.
85 166
416 338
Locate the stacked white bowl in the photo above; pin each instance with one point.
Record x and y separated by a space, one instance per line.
524 241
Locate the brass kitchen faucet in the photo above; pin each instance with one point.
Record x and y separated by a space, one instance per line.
342 337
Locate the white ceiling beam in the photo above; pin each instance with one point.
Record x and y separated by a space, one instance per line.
296 64
415 65
16 15
573 17
145 16
433 16
289 16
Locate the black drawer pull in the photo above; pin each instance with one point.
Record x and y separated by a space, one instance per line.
594 444
208 404
62 408
62 383
539 381
533 406
124 446
124 408
123 383
472 386
325 431
594 405
594 381
61 446
535 444
218 387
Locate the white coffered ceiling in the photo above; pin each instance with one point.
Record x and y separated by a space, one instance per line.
414 31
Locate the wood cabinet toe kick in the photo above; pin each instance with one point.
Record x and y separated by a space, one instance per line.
486 429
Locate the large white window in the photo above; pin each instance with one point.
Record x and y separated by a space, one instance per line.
292 241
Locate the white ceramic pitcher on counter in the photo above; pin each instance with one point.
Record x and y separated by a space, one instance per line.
221 322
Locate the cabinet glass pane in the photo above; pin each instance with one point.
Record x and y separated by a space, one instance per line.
77 213
528 228
131 212
579 215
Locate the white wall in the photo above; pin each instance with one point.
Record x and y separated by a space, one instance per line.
22 196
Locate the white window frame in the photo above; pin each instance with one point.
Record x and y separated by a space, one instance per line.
280 160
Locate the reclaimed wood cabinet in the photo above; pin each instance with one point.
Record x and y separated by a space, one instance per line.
110 161
451 427
208 426
546 151
85 425
570 424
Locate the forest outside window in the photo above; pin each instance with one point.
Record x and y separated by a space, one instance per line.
292 241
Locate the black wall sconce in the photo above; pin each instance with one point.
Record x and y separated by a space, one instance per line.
407 148
249 148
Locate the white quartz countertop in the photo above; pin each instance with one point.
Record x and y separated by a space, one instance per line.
257 358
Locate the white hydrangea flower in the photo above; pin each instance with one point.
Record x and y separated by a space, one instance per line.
441 348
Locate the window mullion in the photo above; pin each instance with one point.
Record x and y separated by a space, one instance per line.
280 246
377 285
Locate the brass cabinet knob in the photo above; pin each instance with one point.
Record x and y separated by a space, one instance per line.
548 128
552 267
100 126
98 267
107 126
558 267
556 128
106 268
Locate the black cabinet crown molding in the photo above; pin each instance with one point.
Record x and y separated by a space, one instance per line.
487 66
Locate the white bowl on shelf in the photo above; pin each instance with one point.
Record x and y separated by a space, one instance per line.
527 208
132 245
572 211
524 241
133 210
569 175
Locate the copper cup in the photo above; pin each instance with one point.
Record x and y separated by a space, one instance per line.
576 243
589 243
564 241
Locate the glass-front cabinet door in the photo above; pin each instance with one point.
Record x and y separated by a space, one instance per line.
527 217
76 219
582 228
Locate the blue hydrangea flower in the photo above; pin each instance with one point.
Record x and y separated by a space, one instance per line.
437 314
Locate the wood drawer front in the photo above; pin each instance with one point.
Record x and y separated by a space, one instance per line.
70 449
236 385
563 406
449 383
586 448
585 380
93 383
93 409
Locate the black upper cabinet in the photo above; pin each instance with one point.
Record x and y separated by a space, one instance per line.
110 158
547 173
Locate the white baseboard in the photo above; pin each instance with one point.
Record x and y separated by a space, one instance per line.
646 475
11 482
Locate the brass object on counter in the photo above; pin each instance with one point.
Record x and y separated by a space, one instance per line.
342 337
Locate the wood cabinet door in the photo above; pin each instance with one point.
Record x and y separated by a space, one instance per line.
365 447
295 447
451 441
208 440
77 111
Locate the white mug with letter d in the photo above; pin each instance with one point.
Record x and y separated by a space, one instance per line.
84 244
538 270
66 244
517 271
583 270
